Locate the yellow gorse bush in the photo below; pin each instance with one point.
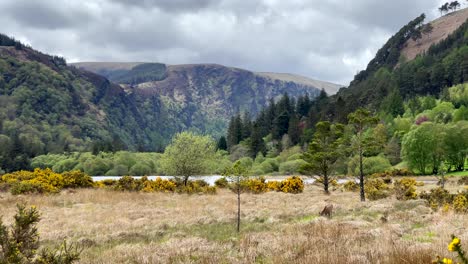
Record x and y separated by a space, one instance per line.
405 189
45 181
351 186
292 185
159 185
454 246
460 203
376 189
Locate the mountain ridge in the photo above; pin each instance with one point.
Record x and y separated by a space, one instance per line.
103 67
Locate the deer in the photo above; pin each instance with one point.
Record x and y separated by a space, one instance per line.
327 211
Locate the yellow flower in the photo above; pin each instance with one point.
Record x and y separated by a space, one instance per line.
447 261
455 242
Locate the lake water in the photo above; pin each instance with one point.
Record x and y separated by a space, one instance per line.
209 179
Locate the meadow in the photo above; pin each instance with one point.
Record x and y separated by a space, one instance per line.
136 227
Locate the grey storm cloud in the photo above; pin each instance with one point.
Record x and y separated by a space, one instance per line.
328 40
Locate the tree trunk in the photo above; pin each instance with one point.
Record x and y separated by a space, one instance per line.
238 204
186 180
325 183
361 177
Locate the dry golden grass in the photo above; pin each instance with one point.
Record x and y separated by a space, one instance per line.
120 227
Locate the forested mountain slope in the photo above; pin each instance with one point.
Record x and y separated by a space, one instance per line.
205 96
47 106
391 77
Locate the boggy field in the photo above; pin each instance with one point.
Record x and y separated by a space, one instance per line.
125 227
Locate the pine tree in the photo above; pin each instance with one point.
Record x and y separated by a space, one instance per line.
246 126
293 130
256 141
361 120
231 134
222 144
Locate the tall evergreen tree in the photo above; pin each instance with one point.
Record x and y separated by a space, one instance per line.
293 130
361 120
323 152
222 143
246 125
256 141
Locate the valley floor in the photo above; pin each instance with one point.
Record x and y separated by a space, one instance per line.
118 227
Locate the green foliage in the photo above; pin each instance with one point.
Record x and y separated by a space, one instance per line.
145 72
423 147
458 94
291 166
371 165
20 242
324 151
222 183
187 155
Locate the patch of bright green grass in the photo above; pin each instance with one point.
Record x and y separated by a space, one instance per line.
306 218
458 174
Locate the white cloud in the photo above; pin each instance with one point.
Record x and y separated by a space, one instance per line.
329 40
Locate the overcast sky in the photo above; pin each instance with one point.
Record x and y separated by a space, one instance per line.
327 40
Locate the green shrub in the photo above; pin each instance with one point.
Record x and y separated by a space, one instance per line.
139 169
222 183
296 156
290 167
371 165
20 242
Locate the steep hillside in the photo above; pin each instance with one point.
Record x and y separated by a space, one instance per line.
203 97
47 106
390 77
441 29
115 70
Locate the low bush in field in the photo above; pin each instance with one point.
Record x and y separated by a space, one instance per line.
463 180
351 186
130 184
159 185
44 181
460 202
405 189
438 197
20 242
274 186
292 184
376 189
222 183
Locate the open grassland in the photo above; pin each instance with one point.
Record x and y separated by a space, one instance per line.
124 227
